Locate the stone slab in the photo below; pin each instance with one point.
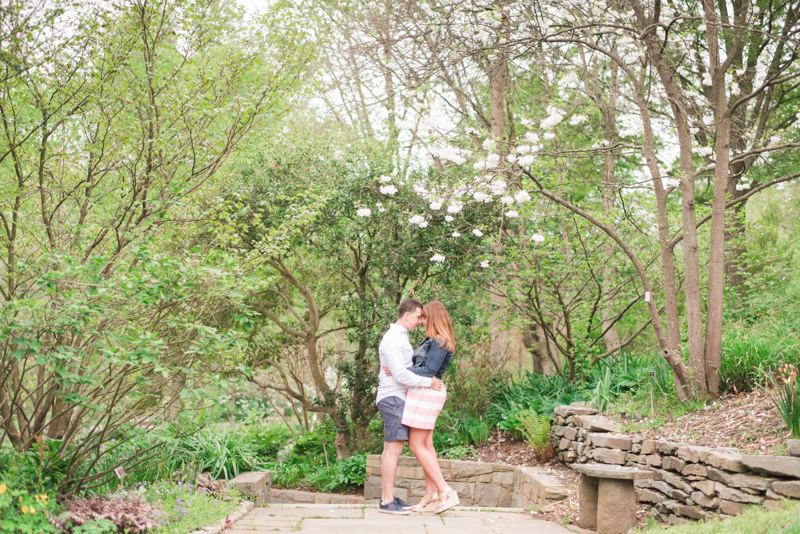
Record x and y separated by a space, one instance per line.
255 485
794 446
782 466
611 471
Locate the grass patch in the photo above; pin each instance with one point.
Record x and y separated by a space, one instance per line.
754 520
188 509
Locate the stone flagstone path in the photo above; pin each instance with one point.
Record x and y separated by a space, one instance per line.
355 519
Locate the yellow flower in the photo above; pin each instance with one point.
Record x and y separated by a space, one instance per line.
36 497
32 510
2 489
25 509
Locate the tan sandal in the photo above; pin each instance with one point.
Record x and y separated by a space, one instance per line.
447 500
427 503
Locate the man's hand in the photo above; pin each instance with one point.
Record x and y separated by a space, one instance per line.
437 384
386 370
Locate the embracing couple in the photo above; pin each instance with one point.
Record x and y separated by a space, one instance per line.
410 396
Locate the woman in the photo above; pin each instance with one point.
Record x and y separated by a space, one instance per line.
423 406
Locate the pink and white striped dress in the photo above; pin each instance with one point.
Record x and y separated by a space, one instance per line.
423 406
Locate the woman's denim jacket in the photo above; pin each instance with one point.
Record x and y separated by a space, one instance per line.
430 359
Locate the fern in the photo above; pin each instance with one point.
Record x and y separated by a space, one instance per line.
536 429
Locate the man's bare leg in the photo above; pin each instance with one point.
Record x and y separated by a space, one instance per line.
391 455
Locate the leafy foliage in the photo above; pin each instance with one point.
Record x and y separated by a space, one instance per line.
536 429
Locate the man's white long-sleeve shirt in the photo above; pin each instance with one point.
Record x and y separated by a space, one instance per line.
396 352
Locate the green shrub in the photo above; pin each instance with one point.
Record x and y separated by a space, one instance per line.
22 512
536 429
267 440
289 473
787 400
749 349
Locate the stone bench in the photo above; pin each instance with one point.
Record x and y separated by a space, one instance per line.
606 498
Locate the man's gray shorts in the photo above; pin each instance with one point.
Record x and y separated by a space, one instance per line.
391 410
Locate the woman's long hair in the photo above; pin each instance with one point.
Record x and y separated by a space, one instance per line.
439 326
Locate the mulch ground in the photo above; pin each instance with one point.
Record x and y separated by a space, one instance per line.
747 421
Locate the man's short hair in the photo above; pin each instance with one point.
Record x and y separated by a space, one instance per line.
408 306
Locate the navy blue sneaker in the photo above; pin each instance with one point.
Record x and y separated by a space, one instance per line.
402 503
392 508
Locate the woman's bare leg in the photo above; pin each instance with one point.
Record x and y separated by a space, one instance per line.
417 443
430 487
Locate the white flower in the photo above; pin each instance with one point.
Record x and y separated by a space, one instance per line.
456 234
418 189
477 232
701 28
489 144
512 214
537 238
511 158
549 135
405 124
555 116
416 219
774 140
578 119
437 257
506 200
480 164
381 209
485 264
707 79
427 9
522 197
492 160
532 137
454 207
735 91
527 160
498 187
449 153
694 131
385 179
423 224
480 197
436 204
448 218
523 149
703 151
364 212
388 190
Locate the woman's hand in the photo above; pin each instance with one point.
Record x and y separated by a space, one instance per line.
386 370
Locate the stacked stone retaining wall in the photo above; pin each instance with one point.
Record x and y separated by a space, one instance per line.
477 483
689 482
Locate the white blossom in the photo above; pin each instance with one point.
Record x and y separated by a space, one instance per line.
454 207
423 224
364 212
492 161
381 209
498 187
532 137
449 153
416 219
479 196
578 119
480 164
489 144
701 28
707 79
526 160
448 218
549 135
485 264
418 189
506 200
627 132
427 9
537 238
555 116
523 149
735 91
522 197
385 179
512 214
405 124
477 232
694 131
511 158
456 234
438 258
388 190
436 204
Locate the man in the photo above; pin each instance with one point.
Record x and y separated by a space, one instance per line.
396 352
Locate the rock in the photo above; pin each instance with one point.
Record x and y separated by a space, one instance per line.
782 466
596 423
794 446
663 487
587 501
667 447
739 480
690 453
462 470
789 488
610 441
567 410
558 430
654 497
636 448
503 477
564 444
679 495
723 460
254 484
706 486
673 464
676 481
648 446
609 456
730 508
653 459
695 512
676 520
558 420
703 500
570 433
730 494
694 470
491 495
771 504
